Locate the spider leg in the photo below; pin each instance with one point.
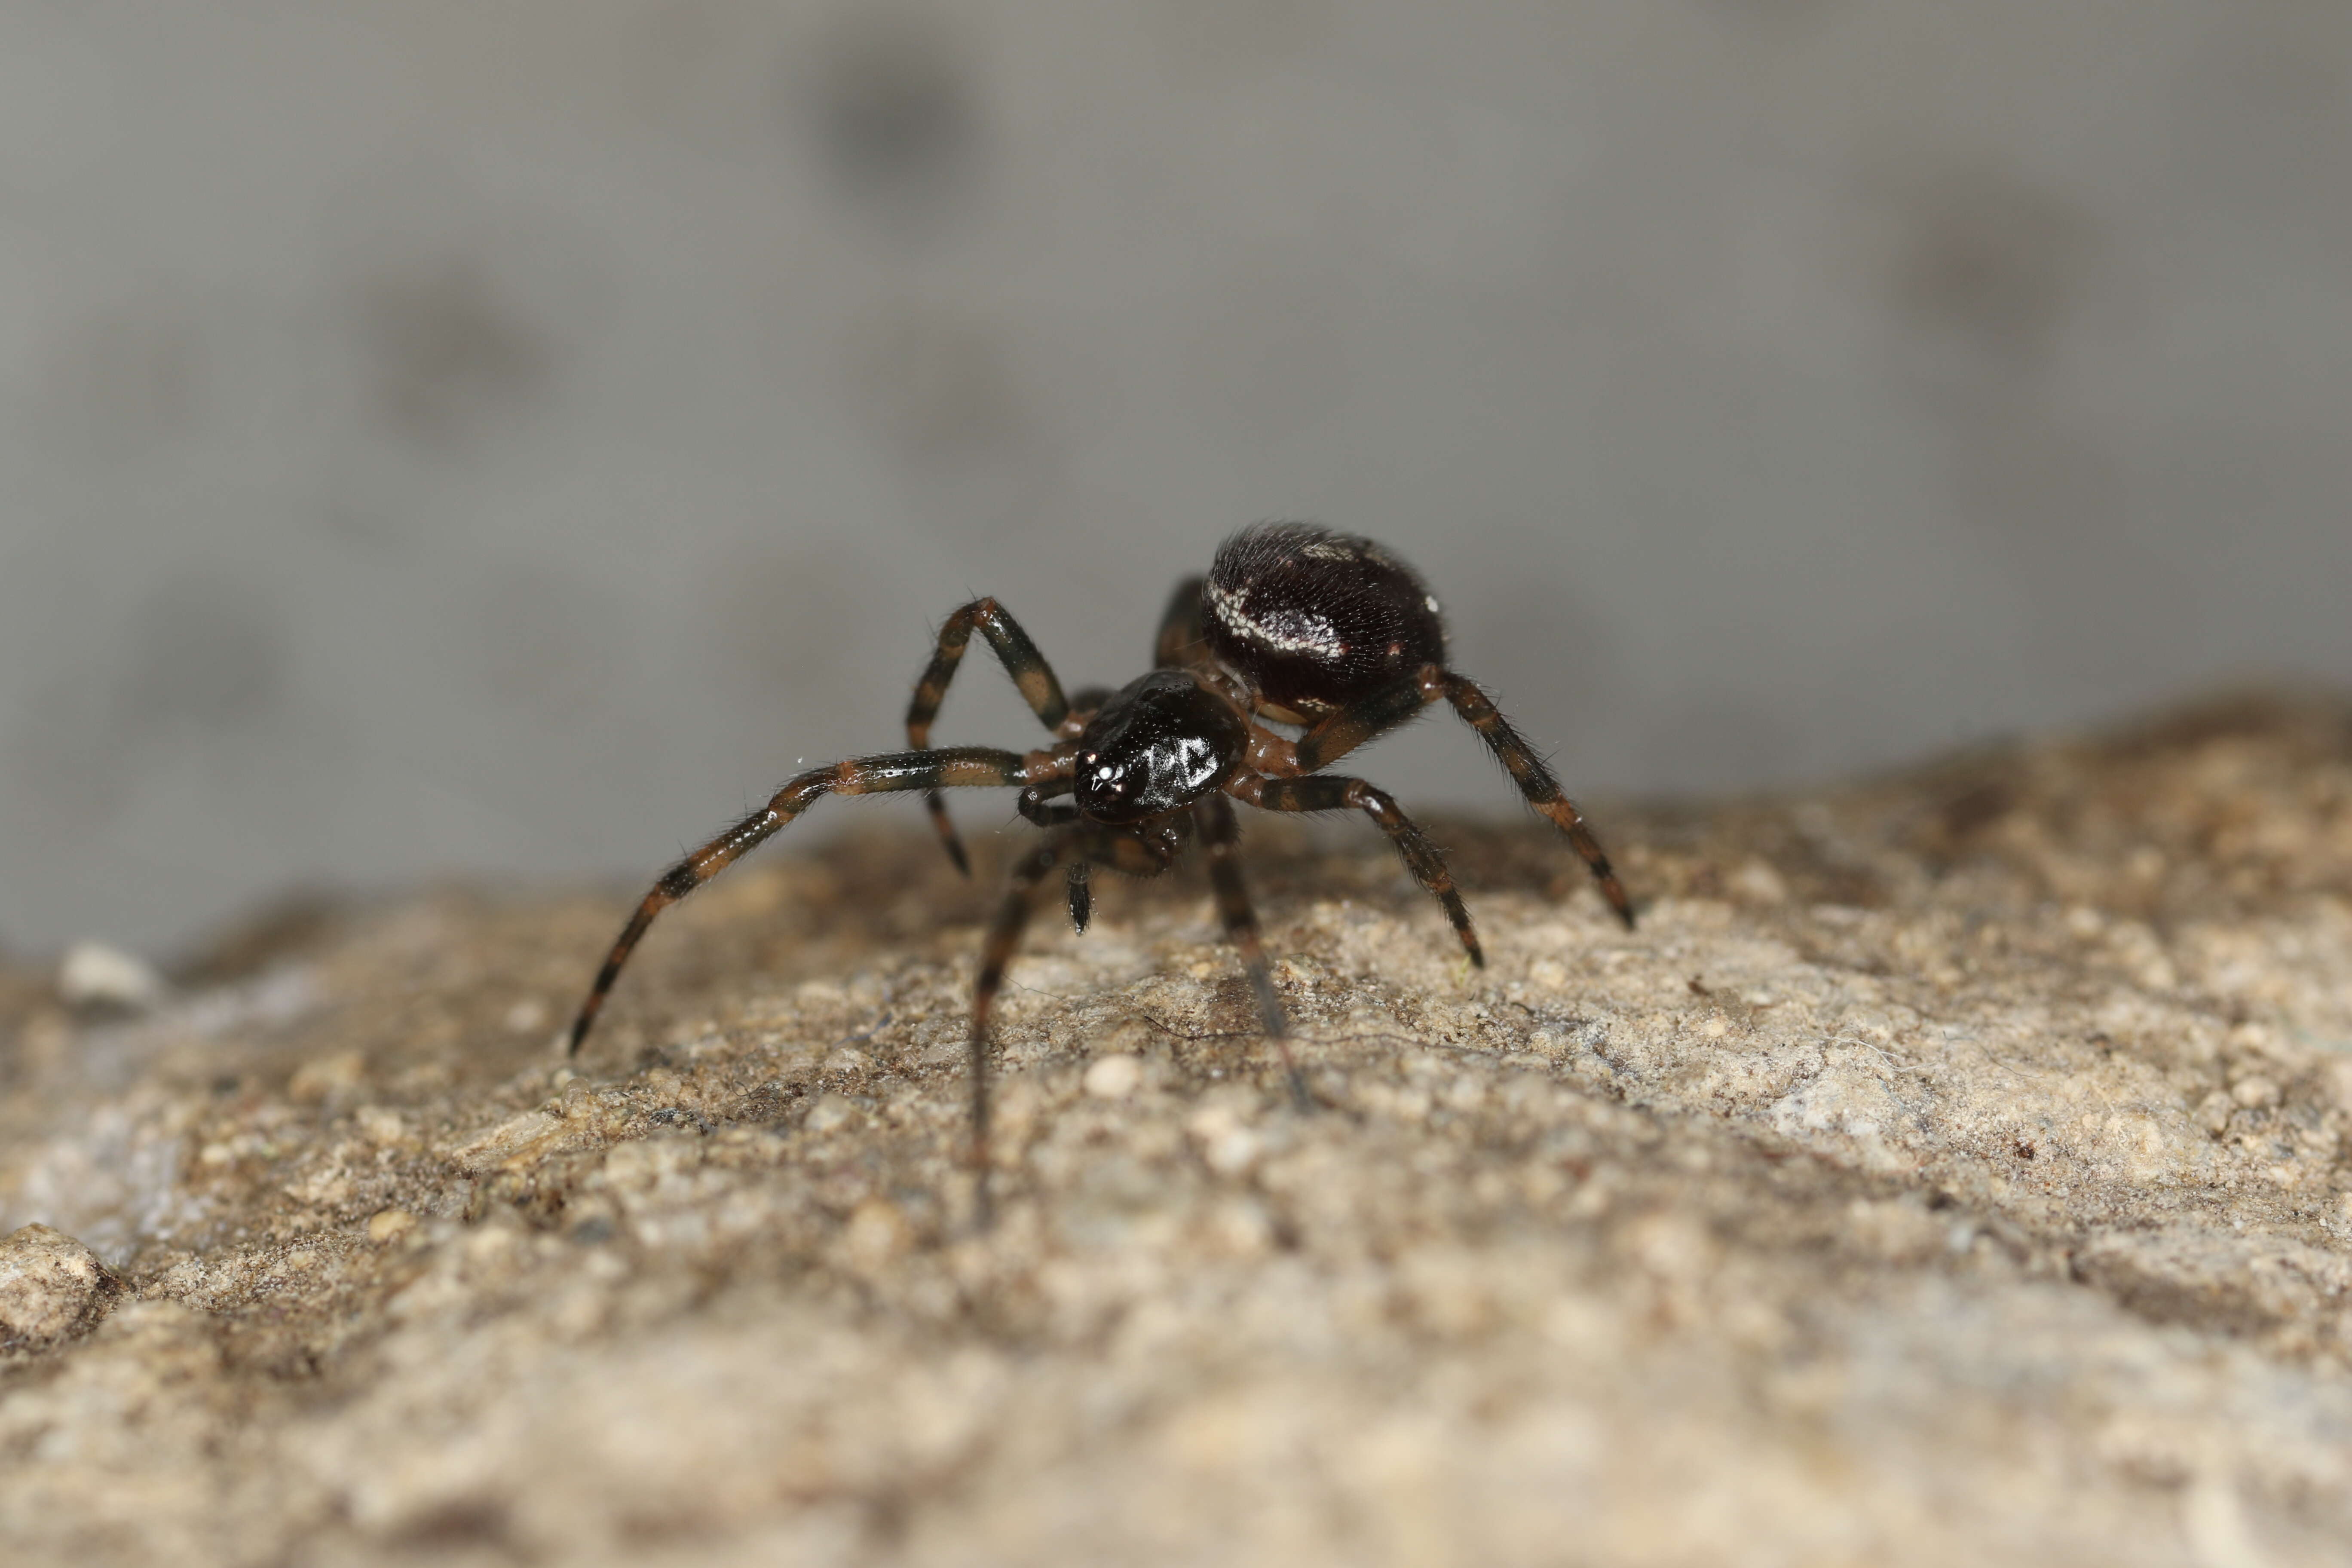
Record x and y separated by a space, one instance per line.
1042 804
1221 836
1180 626
1021 661
1142 853
1535 780
1325 791
953 767
1038 804
1337 734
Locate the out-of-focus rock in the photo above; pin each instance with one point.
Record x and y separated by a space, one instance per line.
51 1287
93 974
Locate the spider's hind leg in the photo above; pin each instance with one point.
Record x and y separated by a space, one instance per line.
1179 641
1337 734
1535 780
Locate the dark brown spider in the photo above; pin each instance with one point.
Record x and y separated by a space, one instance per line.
1318 630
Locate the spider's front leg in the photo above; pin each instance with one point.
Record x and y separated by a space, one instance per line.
1221 836
1038 804
954 767
1031 674
1142 851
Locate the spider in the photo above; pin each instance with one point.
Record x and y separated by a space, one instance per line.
1316 630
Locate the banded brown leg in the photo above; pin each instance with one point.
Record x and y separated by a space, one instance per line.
1334 736
1325 792
1535 780
951 768
1030 672
1222 837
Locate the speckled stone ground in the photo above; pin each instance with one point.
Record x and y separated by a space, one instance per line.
1950 1166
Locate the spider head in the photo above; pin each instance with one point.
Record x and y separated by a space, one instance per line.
1156 747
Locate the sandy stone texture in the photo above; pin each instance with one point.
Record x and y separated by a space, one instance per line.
1950 1169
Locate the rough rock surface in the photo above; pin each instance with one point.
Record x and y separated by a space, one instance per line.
1950 1166
51 1288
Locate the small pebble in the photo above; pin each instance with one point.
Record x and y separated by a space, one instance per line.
1227 1146
390 1224
381 1125
50 1286
1113 1078
1760 883
830 1114
323 1078
876 1233
97 975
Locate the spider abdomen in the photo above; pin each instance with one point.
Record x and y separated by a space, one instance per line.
1315 619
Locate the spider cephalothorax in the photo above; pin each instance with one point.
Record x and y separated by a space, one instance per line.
1156 746
1294 624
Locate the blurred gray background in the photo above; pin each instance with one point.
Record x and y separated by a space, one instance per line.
506 438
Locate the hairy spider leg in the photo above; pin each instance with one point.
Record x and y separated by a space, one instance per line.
1179 642
950 768
1139 853
1535 780
1030 672
1338 733
1331 791
1221 836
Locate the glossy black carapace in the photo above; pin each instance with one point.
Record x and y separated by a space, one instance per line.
1296 625
1157 746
